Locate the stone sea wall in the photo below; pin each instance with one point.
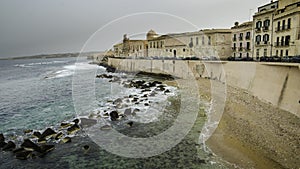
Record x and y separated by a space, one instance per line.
276 83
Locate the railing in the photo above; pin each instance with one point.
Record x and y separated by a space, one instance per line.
283 28
234 39
257 29
240 48
240 38
234 48
282 44
248 37
266 28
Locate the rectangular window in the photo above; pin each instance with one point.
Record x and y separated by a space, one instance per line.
287 53
248 35
287 40
248 45
283 25
209 40
257 53
276 52
278 26
289 24
241 36
197 40
203 40
277 42
281 53
150 44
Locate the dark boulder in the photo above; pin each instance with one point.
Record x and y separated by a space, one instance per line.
9 146
65 125
76 121
114 115
58 136
47 133
23 155
37 134
28 145
2 144
73 129
66 140
2 139
130 124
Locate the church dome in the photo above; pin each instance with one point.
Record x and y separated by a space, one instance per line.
151 34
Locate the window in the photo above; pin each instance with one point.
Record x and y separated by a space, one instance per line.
286 52
247 54
197 41
267 23
234 46
234 37
287 40
278 26
257 53
277 42
150 44
183 49
258 39
161 44
289 24
258 24
209 40
283 25
166 50
241 36
266 38
241 55
203 40
154 44
248 35
248 46
281 53
241 45
276 52
265 52
282 40
234 55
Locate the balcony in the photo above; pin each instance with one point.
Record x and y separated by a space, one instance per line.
248 37
234 48
257 29
266 28
240 38
234 39
283 28
282 44
262 43
247 49
241 48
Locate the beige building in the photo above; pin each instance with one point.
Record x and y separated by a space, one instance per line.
242 41
263 30
200 44
287 28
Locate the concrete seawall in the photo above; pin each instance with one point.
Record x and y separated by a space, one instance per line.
276 83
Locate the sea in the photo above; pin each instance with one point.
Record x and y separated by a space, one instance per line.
37 94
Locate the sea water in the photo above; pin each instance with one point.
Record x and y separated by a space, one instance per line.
37 94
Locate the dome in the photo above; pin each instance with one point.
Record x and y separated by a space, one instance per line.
151 34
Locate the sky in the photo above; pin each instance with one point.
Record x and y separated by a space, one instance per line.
34 27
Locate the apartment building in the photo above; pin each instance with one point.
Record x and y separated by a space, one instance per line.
242 40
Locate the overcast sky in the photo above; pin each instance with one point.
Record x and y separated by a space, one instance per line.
29 27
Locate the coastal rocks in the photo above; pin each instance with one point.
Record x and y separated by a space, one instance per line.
73 128
85 123
28 145
114 115
106 127
66 140
23 155
9 146
47 133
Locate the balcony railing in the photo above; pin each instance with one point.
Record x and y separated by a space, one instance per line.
282 44
240 38
266 28
283 28
257 29
247 48
241 48
248 37
262 43
234 48
234 39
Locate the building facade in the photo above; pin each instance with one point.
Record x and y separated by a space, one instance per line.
242 41
263 30
287 28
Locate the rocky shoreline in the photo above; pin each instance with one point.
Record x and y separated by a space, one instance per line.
252 133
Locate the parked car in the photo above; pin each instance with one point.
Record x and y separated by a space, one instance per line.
295 59
286 59
274 59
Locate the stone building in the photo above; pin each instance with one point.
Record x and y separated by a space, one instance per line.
201 44
287 28
263 29
242 41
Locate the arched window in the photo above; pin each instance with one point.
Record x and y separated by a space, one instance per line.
258 24
267 23
258 38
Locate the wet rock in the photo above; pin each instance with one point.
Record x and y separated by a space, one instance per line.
28 145
23 155
145 95
65 125
167 91
117 101
47 148
146 104
9 146
127 112
18 150
66 140
58 136
2 144
28 131
130 124
106 127
76 121
42 141
85 123
86 147
73 129
114 115
48 133
37 134
2 139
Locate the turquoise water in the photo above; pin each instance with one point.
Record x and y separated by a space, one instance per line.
37 93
